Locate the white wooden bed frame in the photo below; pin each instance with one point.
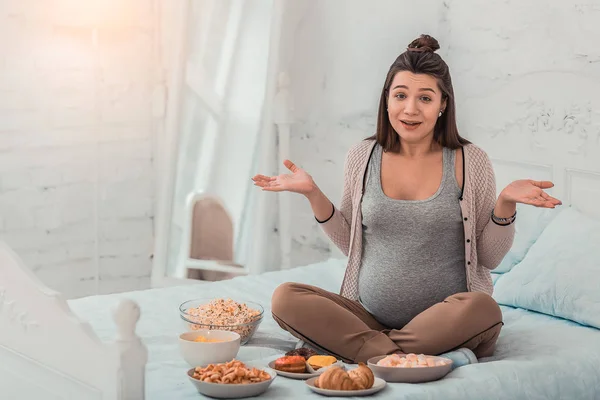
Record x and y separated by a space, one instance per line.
47 353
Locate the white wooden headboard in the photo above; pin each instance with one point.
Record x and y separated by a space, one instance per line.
47 353
543 126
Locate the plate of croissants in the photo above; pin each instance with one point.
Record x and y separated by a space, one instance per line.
338 382
303 363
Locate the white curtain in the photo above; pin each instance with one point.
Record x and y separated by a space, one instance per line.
222 122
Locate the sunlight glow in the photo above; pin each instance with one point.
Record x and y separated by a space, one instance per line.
97 13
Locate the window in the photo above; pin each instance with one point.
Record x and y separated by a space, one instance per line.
210 35
215 132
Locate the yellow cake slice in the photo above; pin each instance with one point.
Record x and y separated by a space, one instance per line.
321 361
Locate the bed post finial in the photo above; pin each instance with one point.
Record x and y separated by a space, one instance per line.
133 354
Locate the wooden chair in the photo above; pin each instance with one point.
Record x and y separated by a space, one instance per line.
210 241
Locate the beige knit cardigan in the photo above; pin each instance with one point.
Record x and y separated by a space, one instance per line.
486 242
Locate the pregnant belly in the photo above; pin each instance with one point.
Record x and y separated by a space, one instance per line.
395 301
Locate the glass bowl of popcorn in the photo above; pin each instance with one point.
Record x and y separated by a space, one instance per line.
226 314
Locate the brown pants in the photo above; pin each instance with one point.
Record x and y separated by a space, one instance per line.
343 328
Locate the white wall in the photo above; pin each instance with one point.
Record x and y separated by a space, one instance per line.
77 142
528 74
525 75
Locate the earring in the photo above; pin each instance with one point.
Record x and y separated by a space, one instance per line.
440 114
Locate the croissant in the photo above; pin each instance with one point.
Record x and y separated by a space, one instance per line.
335 378
362 377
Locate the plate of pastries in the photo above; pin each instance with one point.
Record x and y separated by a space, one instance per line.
303 363
338 382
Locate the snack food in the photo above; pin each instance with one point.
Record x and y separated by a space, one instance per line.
303 351
362 377
206 340
318 362
412 361
293 364
335 378
232 372
223 314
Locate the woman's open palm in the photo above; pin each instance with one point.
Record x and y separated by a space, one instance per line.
531 192
299 181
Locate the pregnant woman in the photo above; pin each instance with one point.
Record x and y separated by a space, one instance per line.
420 223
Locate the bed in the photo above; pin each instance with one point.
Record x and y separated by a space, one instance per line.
538 356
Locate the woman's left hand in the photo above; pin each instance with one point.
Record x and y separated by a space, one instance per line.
530 192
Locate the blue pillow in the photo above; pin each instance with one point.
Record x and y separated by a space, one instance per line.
529 225
495 277
560 273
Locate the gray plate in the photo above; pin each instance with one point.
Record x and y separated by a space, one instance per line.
292 375
409 375
377 386
308 374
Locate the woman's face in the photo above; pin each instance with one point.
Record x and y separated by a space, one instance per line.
414 103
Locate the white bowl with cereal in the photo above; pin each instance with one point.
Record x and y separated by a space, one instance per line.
224 314
410 368
203 347
231 380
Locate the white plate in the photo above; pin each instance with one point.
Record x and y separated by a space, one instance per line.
306 375
377 386
293 375
235 391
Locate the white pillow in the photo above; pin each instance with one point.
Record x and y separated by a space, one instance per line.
560 274
530 223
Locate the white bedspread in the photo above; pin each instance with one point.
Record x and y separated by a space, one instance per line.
538 357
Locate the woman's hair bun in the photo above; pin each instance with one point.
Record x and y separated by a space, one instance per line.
424 43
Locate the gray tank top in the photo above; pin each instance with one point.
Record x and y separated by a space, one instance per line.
413 250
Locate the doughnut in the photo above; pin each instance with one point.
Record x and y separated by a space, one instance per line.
303 351
294 364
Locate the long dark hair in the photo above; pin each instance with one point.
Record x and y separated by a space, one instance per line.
420 58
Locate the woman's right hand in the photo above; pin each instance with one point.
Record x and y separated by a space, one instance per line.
299 181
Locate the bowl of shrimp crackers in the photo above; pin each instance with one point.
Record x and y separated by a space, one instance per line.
410 368
223 314
230 380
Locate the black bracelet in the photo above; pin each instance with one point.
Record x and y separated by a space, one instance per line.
504 221
332 212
